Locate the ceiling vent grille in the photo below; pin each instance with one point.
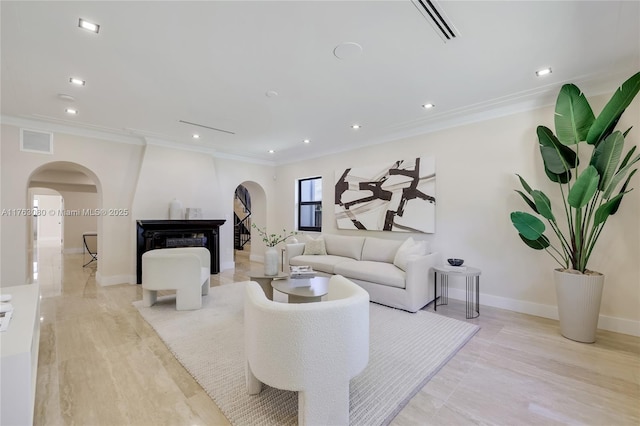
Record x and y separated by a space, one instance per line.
437 18
36 141
207 127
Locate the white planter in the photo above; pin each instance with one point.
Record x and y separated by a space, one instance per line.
271 261
579 299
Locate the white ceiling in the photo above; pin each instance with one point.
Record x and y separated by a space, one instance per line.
212 62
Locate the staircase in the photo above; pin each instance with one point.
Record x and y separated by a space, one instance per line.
241 218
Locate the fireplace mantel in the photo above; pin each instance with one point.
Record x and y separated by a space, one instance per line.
160 234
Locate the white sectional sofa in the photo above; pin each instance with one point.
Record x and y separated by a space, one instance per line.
394 273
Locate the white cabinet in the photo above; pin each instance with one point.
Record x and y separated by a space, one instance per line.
19 364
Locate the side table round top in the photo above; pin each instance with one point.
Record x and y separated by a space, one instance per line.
258 273
466 272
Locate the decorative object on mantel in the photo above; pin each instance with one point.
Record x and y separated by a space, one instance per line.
175 210
590 198
194 213
271 253
397 196
455 262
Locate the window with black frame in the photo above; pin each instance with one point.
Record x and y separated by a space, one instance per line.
310 204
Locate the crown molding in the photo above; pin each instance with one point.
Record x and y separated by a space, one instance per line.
49 126
113 136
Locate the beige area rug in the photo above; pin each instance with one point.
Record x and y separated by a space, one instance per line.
406 350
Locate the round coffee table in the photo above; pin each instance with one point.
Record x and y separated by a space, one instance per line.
259 276
303 290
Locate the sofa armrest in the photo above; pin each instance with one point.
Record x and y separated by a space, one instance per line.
419 278
293 250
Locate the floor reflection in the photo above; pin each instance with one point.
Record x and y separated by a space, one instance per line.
48 268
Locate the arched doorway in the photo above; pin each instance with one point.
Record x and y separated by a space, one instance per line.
249 208
242 219
80 195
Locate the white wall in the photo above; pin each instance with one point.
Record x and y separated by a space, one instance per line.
76 223
114 168
196 180
142 179
476 166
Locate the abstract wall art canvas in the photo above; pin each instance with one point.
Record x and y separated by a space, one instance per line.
397 196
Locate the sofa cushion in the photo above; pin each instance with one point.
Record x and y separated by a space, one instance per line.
315 247
346 246
379 250
409 250
375 272
320 263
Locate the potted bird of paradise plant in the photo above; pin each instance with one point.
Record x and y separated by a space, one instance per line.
591 194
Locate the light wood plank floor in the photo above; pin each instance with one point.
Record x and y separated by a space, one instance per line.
101 364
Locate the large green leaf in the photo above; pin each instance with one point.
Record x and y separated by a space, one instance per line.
606 156
558 178
558 159
524 183
528 225
543 204
623 190
584 188
620 174
573 116
539 244
607 209
627 157
606 121
528 200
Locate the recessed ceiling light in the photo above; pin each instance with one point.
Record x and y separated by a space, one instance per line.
77 81
71 111
355 126
271 151
542 72
89 26
428 106
306 141
196 136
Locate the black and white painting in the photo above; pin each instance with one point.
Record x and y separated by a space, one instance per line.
398 196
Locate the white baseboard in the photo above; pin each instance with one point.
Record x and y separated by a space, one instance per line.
618 325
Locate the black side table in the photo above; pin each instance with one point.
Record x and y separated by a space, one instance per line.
472 276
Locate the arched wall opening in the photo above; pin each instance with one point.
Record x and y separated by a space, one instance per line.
258 217
81 194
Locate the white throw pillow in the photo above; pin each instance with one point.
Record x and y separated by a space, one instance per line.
409 250
315 247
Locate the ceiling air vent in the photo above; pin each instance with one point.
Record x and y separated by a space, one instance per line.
207 127
36 141
437 18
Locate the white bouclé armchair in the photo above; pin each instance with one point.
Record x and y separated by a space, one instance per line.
185 269
313 348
